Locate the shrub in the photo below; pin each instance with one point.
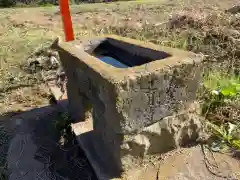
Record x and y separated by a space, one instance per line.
7 3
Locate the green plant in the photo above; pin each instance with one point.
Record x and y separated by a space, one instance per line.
232 90
63 127
7 3
228 136
3 173
221 90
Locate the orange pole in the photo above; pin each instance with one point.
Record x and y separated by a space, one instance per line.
67 20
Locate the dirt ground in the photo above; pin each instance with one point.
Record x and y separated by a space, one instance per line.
193 163
34 151
24 99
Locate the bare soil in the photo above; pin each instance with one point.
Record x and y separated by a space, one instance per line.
34 151
193 163
22 96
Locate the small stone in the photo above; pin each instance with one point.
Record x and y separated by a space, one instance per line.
139 25
215 92
54 61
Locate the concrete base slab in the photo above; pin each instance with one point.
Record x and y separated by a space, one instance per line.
91 145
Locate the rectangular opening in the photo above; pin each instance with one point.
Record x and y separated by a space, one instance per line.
121 54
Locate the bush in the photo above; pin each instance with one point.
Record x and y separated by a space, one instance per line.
22 3
7 3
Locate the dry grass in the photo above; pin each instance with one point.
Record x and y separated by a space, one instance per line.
198 26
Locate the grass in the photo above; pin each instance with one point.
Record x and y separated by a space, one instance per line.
64 128
218 80
222 110
200 27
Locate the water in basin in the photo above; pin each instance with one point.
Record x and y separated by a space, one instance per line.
112 61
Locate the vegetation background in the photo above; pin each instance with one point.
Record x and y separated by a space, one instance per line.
211 28
20 3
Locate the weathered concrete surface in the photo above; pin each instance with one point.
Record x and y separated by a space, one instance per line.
124 102
99 156
137 150
159 88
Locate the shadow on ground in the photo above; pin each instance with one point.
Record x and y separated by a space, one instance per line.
33 151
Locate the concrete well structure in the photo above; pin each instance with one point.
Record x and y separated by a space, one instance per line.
143 107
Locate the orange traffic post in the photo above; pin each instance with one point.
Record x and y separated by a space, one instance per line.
67 20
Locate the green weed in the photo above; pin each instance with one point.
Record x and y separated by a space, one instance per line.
228 136
222 90
64 128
